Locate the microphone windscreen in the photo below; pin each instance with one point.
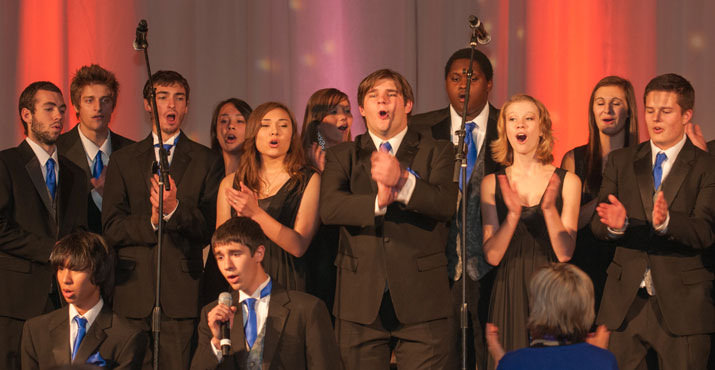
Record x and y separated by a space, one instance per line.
225 299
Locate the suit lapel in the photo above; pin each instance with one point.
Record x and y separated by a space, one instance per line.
442 129
32 165
94 337
275 322
181 159
76 152
678 172
145 160
365 149
59 336
408 148
644 176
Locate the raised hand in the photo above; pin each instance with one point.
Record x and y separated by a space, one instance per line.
243 201
695 134
220 313
98 183
317 156
385 195
660 209
170 202
511 197
552 191
612 214
386 169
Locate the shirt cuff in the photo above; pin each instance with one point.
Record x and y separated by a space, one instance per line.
408 188
663 228
217 352
617 233
379 211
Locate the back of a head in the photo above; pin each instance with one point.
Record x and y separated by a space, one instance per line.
561 303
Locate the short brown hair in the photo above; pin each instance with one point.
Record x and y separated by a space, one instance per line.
561 303
86 251
503 153
93 74
241 230
677 84
242 108
27 97
165 78
400 82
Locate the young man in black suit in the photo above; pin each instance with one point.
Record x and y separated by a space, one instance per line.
392 205
39 191
85 331
274 328
443 124
89 144
130 216
657 201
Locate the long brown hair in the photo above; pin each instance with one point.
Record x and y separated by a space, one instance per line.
594 159
249 166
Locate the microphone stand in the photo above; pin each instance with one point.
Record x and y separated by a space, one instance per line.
460 170
163 183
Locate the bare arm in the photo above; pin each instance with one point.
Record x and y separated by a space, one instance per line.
497 237
223 209
562 228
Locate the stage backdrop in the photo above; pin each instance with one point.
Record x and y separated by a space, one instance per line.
285 50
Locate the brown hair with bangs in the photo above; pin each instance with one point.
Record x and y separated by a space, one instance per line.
86 251
240 230
92 74
503 153
249 166
400 82
320 104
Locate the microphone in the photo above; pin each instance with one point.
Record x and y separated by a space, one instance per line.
225 339
478 27
140 40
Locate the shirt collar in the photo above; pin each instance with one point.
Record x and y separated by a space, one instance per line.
91 148
671 153
41 154
90 315
256 294
394 141
170 140
480 120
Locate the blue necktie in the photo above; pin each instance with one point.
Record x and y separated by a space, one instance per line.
471 151
50 178
81 331
386 147
98 165
658 169
251 328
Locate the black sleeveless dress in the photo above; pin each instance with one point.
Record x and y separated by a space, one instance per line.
529 249
284 268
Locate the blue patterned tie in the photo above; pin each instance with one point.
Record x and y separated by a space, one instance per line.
658 169
81 331
471 151
50 178
98 165
386 147
251 328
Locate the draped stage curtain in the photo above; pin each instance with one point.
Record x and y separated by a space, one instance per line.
284 50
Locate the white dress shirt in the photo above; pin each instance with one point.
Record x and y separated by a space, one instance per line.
43 156
90 315
480 131
91 149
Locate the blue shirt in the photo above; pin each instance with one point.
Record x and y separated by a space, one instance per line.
579 356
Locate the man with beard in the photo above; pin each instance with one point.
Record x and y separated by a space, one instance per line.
130 217
39 190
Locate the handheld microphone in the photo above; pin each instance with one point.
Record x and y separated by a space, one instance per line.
225 339
483 36
140 39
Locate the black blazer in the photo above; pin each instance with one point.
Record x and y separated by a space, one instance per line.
683 280
126 214
405 247
30 224
298 335
45 342
70 145
711 147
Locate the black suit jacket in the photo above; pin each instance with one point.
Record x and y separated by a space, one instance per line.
126 214
438 124
70 145
30 224
404 248
711 147
45 342
298 335
683 280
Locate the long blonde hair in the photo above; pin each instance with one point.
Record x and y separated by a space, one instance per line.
503 153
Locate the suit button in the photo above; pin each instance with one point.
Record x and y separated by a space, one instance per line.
386 239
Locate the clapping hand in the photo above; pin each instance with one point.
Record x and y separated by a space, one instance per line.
612 214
